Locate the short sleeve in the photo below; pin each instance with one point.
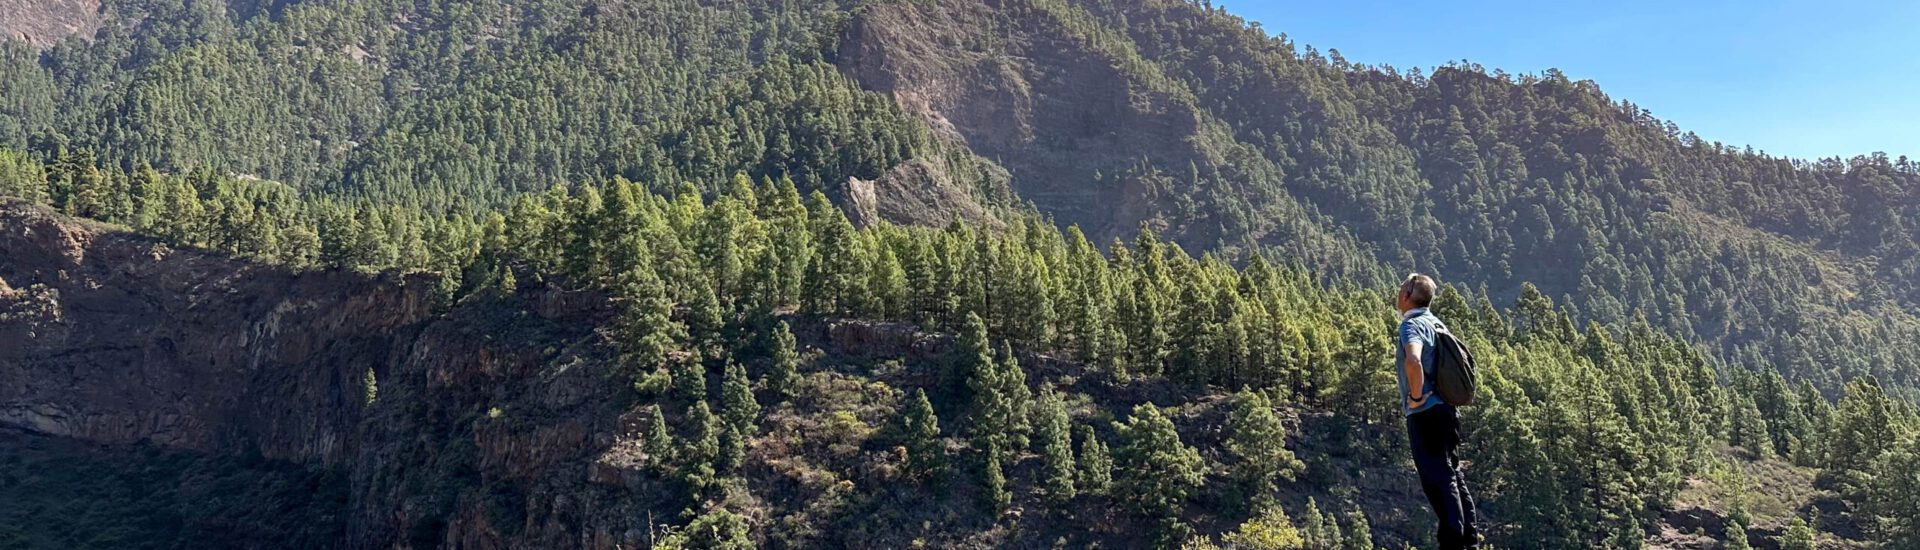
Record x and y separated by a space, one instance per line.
1412 331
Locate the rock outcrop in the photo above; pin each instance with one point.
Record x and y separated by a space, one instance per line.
1064 116
916 192
502 422
118 339
43 22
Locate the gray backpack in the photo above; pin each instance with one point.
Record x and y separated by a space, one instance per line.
1453 376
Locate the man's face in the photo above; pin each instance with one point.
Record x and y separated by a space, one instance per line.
1402 301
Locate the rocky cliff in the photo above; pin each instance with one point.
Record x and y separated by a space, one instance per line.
43 22
240 393
121 342
1066 117
119 339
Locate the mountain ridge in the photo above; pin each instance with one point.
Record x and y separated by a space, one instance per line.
573 203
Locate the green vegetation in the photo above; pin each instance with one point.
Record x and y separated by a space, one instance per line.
680 159
1056 445
459 106
1251 430
925 454
1544 180
1157 472
1616 415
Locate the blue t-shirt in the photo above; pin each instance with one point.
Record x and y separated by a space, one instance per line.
1416 327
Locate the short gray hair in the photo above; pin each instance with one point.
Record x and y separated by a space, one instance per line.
1419 289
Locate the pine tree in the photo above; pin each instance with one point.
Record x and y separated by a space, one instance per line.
887 284
659 443
784 376
1019 398
1780 407
732 448
1157 471
994 483
1270 530
22 177
926 454
1894 496
1026 308
1335 536
1359 533
1860 431
370 386
980 275
1145 335
972 355
706 318
689 380
737 404
585 257
1096 466
645 330
1194 336
1313 527
184 215
1818 412
741 415
1737 536
720 245
1056 442
1000 397
1256 441
632 264
1799 535
1749 429
719 529
833 285
1535 317
702 449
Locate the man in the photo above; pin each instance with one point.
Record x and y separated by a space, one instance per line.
1433 426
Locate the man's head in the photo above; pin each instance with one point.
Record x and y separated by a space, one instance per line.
1416 292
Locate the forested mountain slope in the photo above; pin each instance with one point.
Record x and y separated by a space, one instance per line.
1122 246
1105 114
643 370
1491 179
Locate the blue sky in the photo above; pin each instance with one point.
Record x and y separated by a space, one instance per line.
1797 78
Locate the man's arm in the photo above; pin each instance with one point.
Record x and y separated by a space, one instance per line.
1416 376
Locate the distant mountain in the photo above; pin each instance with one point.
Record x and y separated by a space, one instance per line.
1105 114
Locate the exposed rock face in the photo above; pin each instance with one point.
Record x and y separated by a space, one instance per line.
117 339
499 424
916 192
1063 116
44 22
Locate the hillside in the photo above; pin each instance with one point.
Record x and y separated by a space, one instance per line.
1108 115
658 273
516 409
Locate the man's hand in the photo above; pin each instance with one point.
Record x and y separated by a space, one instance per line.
1413 402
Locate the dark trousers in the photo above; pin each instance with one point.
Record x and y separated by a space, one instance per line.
1434 434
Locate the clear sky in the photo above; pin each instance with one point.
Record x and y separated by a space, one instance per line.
1798 78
